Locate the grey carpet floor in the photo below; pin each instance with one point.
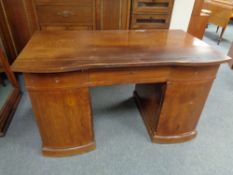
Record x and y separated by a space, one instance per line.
123 145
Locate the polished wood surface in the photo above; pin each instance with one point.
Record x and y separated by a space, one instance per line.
172 70
65 15
171 110
197 8
226 2
221 12
81 50
120 14
230 53
18 23
72 114
7 41
198 25
20 18
198 21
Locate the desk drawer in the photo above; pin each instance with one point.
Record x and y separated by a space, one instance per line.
77 2
152 6
65 27
64 14
150 21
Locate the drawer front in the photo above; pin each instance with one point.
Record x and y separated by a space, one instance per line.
152 6
64 14
65 27
77 2
150 22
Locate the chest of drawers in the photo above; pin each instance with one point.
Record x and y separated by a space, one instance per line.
147 14
103 14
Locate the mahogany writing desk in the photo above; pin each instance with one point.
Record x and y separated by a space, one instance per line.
173 73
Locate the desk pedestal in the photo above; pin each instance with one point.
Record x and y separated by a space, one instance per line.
170 100
64 120
171 111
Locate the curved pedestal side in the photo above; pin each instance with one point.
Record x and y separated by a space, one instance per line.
61 152
63 113
174 139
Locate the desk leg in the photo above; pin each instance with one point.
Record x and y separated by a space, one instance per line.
171 110
64 120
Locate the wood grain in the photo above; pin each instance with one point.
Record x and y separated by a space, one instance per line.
171 110
220 14
63 116
198 21
172 70
198 25
170 99
120 14
63 51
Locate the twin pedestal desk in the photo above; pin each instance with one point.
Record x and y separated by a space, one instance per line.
172 70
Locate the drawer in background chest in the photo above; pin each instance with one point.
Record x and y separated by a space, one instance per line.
150 22
50 14
65 27
152 6
76 2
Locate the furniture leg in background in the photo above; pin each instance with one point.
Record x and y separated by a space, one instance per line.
221 12
217 29
230 53
221 35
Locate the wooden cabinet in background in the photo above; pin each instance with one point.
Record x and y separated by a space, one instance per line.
65 15
112 14
199 20
103 14
221 12
18 22
148 14
20 18
83 14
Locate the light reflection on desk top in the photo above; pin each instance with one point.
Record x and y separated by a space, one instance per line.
63 51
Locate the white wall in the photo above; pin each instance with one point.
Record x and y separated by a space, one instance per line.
181 14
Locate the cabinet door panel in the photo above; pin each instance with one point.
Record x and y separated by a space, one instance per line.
112 14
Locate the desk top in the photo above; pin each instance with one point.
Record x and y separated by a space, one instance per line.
226 3
64 51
